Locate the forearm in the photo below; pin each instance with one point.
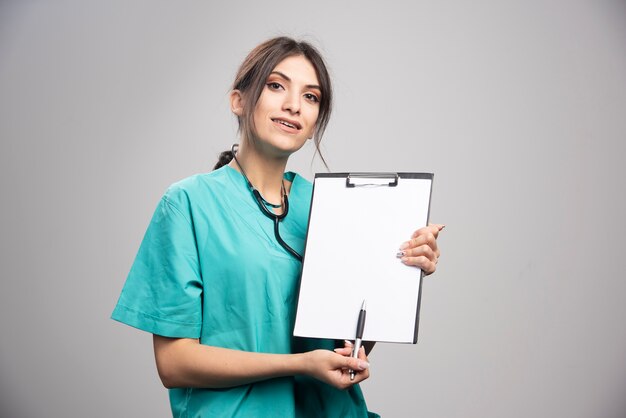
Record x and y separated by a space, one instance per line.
187 363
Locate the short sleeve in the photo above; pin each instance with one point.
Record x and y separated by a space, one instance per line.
163 291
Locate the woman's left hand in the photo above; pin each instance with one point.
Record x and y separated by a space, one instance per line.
422 250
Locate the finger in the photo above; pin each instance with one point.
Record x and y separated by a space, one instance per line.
362 355
432 228
423 257
423 245
364 374
347 348
423 250
436 228
420 231
427 238
356 364
427 266
344 351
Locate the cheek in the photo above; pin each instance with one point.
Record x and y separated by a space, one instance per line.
313 123
258 117
261 107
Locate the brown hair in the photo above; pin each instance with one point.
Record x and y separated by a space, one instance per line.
252 76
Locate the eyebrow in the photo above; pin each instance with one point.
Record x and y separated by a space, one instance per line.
308 86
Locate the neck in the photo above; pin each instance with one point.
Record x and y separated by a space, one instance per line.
265 173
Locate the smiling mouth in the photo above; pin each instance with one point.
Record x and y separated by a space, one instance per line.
288 124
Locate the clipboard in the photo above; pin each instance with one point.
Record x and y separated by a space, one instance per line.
357 222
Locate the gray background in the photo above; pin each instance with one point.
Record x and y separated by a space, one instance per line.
516 106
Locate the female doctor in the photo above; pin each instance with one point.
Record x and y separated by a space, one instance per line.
216 274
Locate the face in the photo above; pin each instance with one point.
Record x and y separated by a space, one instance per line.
287 110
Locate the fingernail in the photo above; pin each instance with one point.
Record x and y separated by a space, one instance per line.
362 365
441 227
404 245
347 342
400 254
404 259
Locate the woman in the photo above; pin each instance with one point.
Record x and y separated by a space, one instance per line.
213 283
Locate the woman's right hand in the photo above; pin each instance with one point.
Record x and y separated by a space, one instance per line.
334 367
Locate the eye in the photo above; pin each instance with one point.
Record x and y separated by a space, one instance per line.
273 85
311 97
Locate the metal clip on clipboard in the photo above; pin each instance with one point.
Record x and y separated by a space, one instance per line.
378 176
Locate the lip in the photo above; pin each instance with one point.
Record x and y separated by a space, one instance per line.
289 121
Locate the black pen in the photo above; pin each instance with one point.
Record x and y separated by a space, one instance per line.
359 335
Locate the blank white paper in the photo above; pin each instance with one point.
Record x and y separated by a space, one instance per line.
350 256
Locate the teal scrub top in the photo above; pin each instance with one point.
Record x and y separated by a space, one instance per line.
209 267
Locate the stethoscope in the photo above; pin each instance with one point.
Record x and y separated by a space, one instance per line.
263 205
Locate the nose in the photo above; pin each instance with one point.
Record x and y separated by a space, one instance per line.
292 103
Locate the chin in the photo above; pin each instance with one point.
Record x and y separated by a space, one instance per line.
283 147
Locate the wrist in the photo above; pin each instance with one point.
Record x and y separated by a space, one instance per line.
299 364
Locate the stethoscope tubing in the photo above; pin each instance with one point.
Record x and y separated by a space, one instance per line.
276 218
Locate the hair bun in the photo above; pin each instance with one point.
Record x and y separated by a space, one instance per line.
224 158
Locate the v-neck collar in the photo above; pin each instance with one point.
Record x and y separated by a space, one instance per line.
240 181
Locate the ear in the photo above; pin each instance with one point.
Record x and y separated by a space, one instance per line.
236 102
